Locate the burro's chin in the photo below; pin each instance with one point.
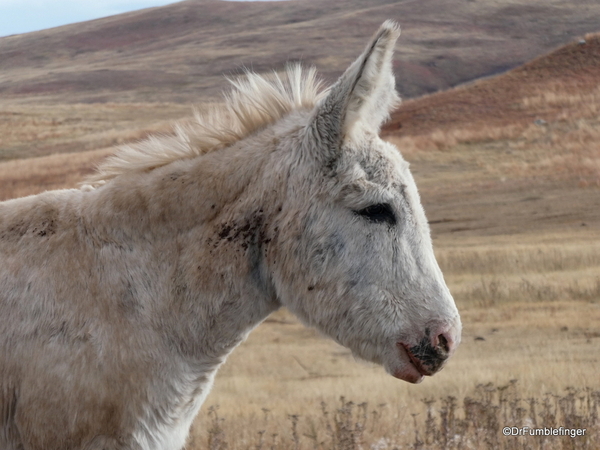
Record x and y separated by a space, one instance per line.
404 370
412 359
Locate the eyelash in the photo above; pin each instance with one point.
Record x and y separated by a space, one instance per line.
378 213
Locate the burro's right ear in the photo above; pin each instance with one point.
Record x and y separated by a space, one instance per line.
362 98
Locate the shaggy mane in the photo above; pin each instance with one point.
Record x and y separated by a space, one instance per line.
254 102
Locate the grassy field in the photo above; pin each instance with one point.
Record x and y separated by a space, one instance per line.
32 131
513 197
530 309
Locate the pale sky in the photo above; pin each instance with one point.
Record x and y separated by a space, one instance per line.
23 16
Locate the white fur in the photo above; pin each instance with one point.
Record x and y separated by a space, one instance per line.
119 303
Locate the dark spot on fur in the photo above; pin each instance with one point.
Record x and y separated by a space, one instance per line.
244 231
310 288
17 230
249 234
47 228
225 230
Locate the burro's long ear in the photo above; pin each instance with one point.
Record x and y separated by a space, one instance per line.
361 100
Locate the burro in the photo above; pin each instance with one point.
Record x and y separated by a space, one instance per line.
119 301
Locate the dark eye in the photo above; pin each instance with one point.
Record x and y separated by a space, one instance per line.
378 213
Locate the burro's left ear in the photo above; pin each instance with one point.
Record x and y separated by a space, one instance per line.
361 100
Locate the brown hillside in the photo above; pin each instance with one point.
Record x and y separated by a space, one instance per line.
180 52
573 69
511 154
96 84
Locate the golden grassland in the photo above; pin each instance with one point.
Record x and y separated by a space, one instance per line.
28 131
50 147
530 313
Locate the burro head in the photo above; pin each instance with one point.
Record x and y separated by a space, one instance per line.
354 256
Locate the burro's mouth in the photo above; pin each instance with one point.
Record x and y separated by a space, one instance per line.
409 371
421 360
411 358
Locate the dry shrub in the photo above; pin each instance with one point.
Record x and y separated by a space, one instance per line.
475 422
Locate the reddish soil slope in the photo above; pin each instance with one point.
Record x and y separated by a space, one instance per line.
497 101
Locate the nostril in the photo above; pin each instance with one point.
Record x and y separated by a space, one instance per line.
443 343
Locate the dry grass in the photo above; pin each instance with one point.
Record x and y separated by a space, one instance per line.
488 275
52 147
28 131
473 423
565 146
22 177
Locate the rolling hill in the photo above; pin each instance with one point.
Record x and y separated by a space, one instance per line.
571 70
515 153
181 51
